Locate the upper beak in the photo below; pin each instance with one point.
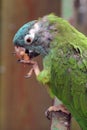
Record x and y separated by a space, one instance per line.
24 54
21 54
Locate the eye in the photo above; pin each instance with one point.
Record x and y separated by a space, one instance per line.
29 39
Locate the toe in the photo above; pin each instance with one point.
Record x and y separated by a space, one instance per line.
48 114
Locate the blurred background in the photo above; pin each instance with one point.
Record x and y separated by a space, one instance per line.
24 101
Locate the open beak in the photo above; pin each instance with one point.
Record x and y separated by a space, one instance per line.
20 53
24 54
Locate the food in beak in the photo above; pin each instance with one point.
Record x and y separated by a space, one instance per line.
23 57
21 54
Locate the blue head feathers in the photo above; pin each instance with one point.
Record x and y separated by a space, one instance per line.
35 36
18 39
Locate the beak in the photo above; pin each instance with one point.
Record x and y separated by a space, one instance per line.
21 54
31 53
24 54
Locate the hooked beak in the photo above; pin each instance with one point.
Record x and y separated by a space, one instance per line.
24 54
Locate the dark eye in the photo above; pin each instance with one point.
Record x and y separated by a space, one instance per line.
29 39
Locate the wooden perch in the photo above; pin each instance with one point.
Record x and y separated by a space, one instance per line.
60 120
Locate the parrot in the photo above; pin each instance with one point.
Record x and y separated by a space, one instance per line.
64 55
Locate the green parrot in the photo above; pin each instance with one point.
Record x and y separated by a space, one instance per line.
64 53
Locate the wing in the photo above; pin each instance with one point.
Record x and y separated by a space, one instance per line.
69 80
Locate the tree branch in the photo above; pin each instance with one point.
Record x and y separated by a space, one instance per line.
60 120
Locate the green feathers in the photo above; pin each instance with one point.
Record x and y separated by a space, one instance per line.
68 68
64 52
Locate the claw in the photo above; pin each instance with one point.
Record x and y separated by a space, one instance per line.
56 110
29 73
60 114
48 114
23 61
23 57
34 68
27 76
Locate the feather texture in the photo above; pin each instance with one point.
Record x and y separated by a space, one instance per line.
64 52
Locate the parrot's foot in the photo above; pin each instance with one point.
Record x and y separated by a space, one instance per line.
35 68
24 58
56 110
28 75
60 115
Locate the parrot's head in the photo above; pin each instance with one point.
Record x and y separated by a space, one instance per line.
35 37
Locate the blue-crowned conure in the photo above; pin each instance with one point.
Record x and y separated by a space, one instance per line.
64 53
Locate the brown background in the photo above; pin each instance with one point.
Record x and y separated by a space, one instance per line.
23 101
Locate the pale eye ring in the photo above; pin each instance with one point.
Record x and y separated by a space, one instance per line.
28 39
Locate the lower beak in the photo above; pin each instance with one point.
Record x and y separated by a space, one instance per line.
21 53
24 54
32 54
